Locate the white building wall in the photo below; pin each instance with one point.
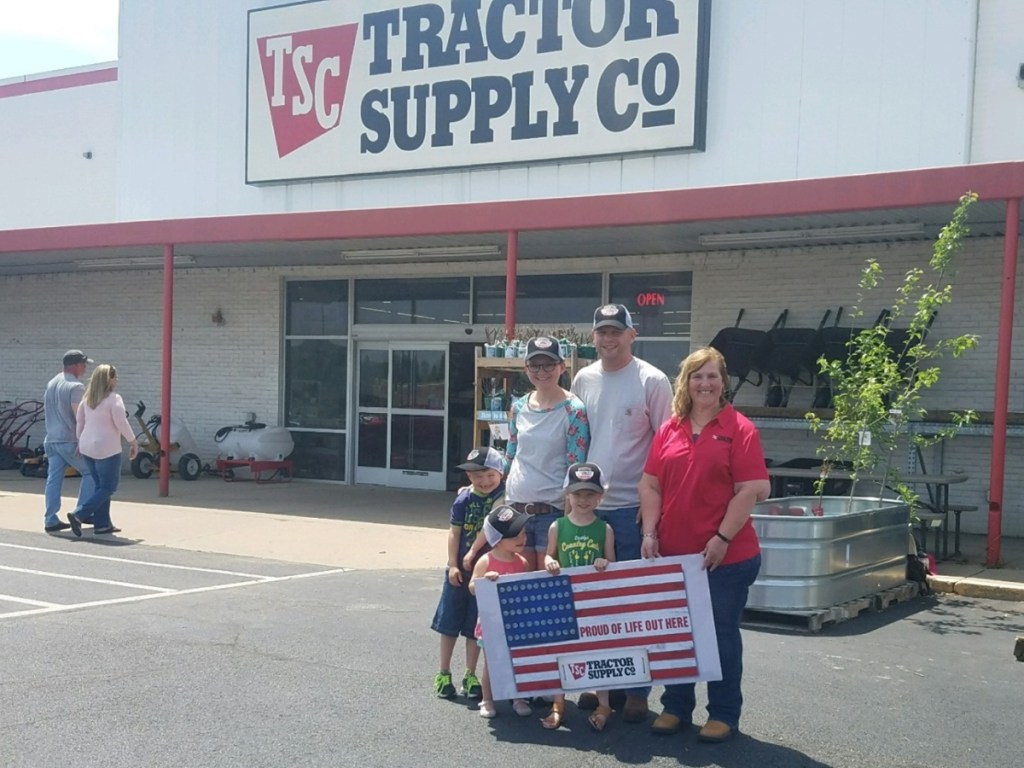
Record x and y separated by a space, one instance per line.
798 89
220 372
223 372
44 178
998 98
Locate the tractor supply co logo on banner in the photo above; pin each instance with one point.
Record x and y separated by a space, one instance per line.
628 667
341 88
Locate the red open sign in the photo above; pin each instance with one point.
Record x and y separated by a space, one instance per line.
650 299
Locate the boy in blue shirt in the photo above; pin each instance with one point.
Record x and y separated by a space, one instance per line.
456 610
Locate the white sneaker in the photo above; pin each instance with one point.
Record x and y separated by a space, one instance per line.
487 709
522 707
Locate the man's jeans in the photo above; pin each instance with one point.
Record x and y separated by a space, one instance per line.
106 474
729 585
624 525
59 457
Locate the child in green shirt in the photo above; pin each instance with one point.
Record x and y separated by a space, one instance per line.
580 538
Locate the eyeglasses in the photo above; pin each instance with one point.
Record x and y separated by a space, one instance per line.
538 367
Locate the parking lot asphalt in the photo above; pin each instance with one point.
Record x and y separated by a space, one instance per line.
288 625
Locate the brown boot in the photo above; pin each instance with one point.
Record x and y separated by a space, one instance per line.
715 731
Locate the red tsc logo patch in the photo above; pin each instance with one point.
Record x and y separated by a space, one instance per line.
305 75
577 670
584 473
542 343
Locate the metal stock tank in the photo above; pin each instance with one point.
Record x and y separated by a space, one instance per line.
822 551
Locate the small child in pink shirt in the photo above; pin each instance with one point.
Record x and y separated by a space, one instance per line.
505 530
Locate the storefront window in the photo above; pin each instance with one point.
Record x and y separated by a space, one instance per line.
540 299
319 455
316 377
405 302
658 301
317 308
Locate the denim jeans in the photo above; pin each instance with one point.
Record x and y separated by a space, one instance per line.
627 547
729 585
106 473
59 457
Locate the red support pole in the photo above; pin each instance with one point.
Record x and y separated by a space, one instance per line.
1002 393
165 383
511 268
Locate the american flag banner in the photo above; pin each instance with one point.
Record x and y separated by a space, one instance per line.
641 622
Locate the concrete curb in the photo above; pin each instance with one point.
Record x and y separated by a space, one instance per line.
977 587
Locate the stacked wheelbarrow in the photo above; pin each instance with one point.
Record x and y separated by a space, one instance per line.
786 357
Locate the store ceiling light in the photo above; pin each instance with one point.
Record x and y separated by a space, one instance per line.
811 236
441 253
133 261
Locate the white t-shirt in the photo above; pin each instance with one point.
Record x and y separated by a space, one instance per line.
544 448
625 409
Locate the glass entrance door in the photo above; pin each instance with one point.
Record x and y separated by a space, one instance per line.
402 414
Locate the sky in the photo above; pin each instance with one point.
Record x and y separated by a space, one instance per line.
43 35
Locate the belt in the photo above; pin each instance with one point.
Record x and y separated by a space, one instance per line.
535 508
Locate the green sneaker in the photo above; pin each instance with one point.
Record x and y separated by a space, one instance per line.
443 685
471 686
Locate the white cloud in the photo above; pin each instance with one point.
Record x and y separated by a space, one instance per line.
44 35
88 25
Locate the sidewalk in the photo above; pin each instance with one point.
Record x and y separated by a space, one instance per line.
359 527
364 527
970 578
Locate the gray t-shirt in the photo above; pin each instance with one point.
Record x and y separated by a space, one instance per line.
625 409
63 391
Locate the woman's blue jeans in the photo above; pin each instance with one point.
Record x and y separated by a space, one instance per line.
729 585
106 473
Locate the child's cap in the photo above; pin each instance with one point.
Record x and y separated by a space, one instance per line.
544 346
482 458
504 522
584 476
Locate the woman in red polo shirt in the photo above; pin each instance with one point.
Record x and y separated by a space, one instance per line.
704 473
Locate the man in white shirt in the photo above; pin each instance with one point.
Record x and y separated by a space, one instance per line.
627 400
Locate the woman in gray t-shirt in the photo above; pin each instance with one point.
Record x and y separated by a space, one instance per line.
548 432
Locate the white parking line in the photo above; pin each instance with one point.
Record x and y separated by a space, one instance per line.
155 595
26 601
72 577
129 560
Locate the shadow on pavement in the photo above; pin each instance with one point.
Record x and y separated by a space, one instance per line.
634 744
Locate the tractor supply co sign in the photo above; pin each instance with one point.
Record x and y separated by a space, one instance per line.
350 88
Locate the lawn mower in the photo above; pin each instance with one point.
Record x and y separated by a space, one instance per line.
15 423
184 453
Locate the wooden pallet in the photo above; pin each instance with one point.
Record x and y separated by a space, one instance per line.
815 619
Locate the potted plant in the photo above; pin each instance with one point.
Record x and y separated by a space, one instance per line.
877 389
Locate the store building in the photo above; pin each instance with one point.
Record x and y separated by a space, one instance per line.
348 191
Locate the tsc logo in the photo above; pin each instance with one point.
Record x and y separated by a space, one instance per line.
305 75
578 670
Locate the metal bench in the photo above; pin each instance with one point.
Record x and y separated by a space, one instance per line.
957 510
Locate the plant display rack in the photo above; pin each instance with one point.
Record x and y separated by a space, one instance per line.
505 370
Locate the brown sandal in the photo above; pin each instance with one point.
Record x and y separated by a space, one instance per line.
599 717
554 717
